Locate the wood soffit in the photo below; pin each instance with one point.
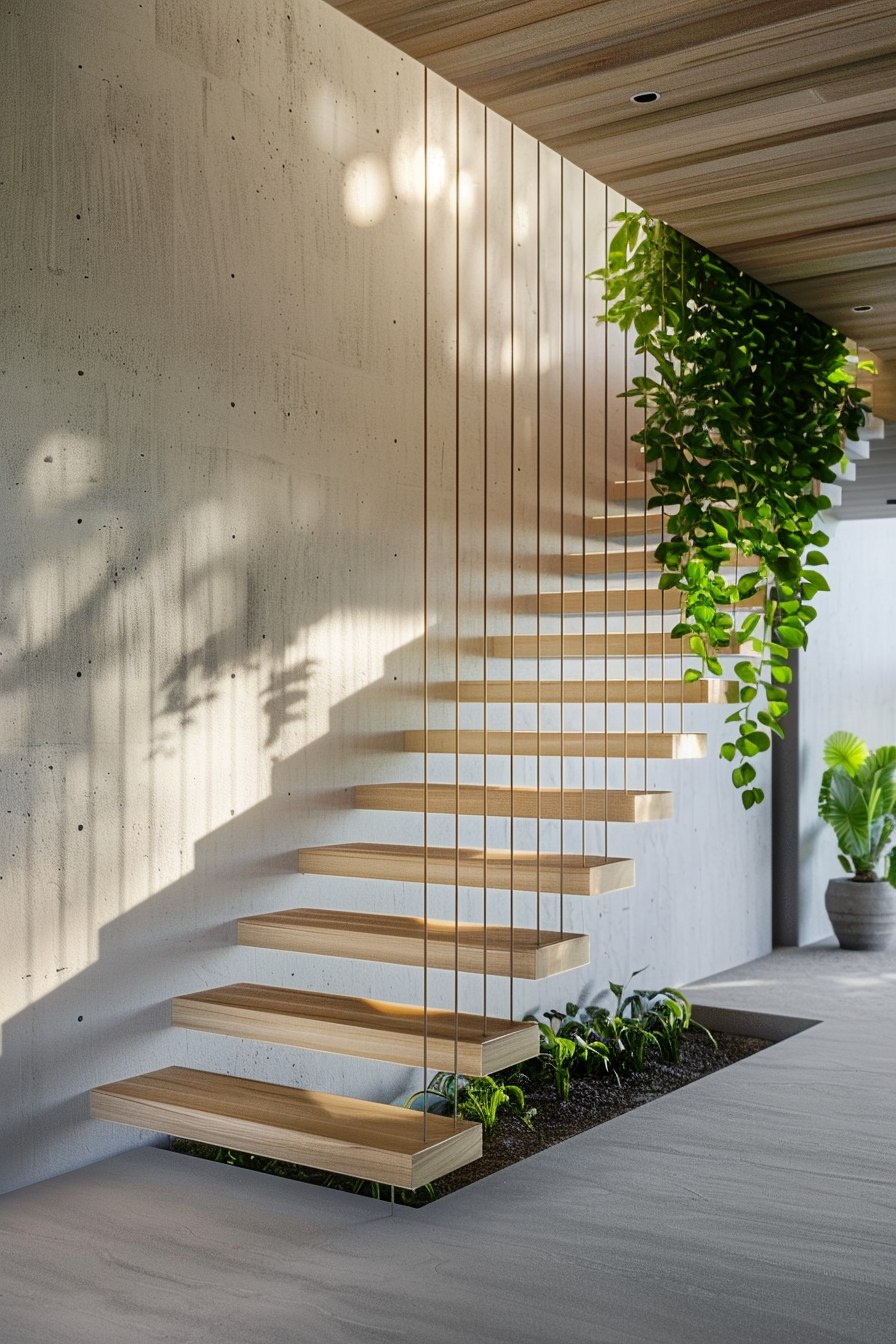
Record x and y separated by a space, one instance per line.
773 142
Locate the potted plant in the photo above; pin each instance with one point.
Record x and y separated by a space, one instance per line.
858 798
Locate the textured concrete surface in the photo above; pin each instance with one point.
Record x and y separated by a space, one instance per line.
756 1205
211 558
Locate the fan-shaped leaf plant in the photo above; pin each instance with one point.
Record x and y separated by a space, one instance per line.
746 401
858 799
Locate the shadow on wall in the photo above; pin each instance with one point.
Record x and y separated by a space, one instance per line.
113 1018
159 656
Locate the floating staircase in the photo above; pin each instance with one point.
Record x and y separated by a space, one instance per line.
387 1143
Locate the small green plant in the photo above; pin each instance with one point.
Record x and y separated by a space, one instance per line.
657 1017
480 1099
615 1038
569 1046
858 799
746 400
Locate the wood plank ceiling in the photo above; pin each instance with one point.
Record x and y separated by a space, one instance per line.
773 140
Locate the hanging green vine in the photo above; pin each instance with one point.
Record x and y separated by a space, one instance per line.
746 400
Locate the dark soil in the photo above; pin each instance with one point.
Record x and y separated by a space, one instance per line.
591 1102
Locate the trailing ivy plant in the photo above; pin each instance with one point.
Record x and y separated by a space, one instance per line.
746 399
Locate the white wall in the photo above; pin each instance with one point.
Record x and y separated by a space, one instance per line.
847 680
211 375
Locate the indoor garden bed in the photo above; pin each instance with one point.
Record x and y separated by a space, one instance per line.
596 1064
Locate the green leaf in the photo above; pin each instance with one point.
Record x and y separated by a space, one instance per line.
727 749
692 674
845 750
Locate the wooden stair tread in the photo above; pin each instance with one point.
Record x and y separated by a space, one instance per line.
365 1139
626 561
708 691
400 940
613 602
501 742
368 1028
634 488
633 523
633 644
572 874
500 800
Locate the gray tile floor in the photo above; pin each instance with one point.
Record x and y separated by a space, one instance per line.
755 1205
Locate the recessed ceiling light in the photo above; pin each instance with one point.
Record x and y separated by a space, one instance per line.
863 307
648 96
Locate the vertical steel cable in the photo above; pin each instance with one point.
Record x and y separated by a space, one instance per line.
538 543
641 585
584 335
663 723
562 447
681 644
625 586
456 590
425 591
512 541
606 466
485 569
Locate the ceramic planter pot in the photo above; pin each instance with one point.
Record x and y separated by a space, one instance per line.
863 913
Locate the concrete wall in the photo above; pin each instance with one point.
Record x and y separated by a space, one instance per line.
847 680
212 603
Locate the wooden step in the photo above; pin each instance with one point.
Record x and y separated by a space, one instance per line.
674 691
633 644
634 522
500 800
318 1129
528 954
470 741
613 601
633 488
367 1028
501 869
624 561
620 561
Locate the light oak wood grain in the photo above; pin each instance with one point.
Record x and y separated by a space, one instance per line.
635 523
500 800
774 131
612 602
632 645
628 691
356 1138
406 940
367 1028
623 562
572 874
659 746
